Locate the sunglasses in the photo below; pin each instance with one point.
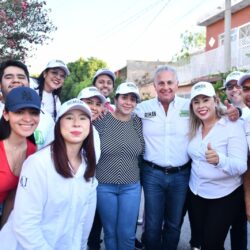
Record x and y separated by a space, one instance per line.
232 86
246 89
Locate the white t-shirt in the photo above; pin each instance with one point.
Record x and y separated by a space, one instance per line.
47 99
48 103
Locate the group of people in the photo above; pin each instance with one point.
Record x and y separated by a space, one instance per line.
68 170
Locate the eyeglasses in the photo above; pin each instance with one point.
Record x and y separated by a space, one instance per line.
232 86
246 88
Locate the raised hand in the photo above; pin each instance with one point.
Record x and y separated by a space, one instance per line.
211 155
232 112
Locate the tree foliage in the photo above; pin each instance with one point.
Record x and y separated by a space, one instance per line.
81 75
191 42
24 25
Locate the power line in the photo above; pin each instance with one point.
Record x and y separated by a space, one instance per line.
172 23
151 22
122 25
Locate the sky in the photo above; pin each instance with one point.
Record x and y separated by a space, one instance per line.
118 30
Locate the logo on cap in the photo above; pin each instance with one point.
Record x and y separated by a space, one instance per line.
92 89
200 86
26 96
59 61
73 101
131 85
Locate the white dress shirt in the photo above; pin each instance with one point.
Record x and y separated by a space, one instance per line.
165 135
229 141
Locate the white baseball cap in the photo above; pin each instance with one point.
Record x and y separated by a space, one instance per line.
73 104
90 92
202 88
58 64
104 72
243 78
128 87
233 76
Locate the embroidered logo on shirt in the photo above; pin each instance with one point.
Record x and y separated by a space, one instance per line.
150 114
39 137
23 181
184 113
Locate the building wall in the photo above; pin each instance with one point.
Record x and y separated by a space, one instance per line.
147 91
141 72
238 19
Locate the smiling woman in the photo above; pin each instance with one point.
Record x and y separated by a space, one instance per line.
59 185
117 171
17 125
49 85
218 150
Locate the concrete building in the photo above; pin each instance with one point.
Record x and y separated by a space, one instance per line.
205 64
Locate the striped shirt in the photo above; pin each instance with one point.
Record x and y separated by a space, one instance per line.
121 145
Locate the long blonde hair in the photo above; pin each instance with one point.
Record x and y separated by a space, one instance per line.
195 122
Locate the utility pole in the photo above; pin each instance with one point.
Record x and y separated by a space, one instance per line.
227 36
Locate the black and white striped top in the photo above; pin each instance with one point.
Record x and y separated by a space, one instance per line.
121 145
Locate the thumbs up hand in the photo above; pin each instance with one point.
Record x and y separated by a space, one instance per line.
211 155
232 112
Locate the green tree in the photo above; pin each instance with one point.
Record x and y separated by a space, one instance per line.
24 25
81 75
191 42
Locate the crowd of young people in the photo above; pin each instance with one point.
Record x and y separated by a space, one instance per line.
83 170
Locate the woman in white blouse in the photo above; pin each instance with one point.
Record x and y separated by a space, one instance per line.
218 150
56 196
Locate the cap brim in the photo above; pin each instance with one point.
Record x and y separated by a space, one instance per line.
24 106
205 94
102 98
243 79
105 73
78 107
136 94
66 71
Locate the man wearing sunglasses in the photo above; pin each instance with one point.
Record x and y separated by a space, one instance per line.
235 93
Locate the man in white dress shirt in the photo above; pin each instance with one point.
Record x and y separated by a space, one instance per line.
166 170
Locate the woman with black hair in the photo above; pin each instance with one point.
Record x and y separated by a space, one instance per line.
56 196
17 125
49 85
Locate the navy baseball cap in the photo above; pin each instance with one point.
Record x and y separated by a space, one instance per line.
22 97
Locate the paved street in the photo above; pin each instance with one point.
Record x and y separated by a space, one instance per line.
185 234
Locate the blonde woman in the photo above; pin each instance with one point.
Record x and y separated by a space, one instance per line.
218 150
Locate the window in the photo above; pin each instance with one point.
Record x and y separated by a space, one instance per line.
233 37
244 35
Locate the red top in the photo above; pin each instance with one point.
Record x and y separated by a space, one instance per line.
8 181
